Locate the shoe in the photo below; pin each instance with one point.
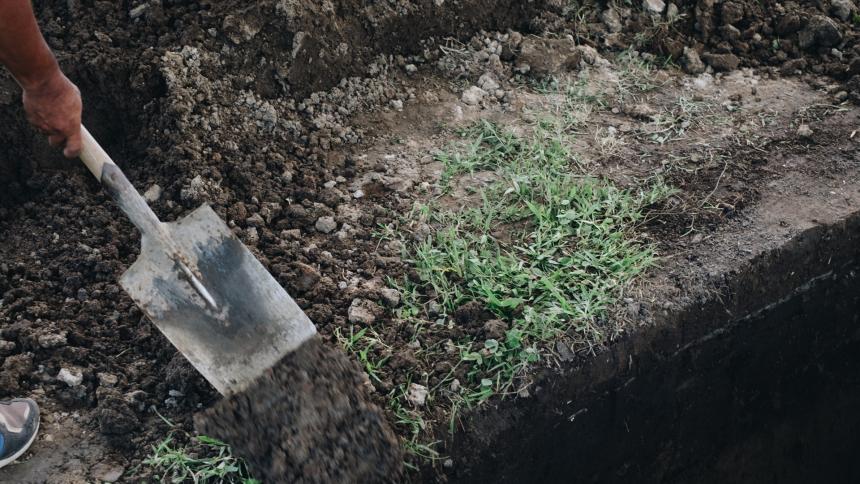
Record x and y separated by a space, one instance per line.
19 424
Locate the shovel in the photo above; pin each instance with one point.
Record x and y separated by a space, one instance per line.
203 288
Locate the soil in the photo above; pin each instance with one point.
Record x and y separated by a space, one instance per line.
280 114
308 420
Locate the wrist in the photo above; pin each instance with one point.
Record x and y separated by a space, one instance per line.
42 80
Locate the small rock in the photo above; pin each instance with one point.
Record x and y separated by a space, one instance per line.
455 386
53 340
640 111
138 11
153 193
358 194
411 68
390 296
362 311
722 62
654 6
255 220
547 57
488 82
252 237
672 11
396 104
804 131
611 20
326 224
522 68
691 62
417 394
71 377
107 379
448 463
842 9
434 309
473 96
840 96
107 472
306 278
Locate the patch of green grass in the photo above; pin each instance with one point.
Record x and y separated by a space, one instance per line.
206 460
483 145
544 249
366 345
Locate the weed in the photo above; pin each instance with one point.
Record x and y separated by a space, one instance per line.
367 346
177 464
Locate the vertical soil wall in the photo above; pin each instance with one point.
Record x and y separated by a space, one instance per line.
761 387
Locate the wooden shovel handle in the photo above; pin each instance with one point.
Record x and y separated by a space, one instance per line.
93 155
118 186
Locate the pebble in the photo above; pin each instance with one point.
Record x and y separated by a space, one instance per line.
361 311
473 96
107 379
488 82
417 394
358 194
252 237
330 184
655 6
390 296
691 62
153 193
53 340
326 224
107 472
804 131
396 104
411 68
306 278
71 377
255 220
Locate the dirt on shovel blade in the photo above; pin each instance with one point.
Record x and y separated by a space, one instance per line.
308 420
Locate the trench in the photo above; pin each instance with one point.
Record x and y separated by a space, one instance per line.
762 386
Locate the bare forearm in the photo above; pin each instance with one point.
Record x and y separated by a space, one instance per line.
22 48
52 103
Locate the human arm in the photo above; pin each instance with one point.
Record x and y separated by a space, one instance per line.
52 103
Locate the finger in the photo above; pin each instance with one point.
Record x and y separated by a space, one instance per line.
73 145
56 140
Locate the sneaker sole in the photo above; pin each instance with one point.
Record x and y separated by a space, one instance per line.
11 458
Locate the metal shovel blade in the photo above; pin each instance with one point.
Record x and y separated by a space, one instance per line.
253 323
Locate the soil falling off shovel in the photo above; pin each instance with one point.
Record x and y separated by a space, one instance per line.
294 408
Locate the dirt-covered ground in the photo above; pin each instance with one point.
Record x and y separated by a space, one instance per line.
316 128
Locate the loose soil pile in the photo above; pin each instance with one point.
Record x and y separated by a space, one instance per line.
308 420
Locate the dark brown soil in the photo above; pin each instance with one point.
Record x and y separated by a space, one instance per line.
308 420
786 37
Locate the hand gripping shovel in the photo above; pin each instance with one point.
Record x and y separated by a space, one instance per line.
202 288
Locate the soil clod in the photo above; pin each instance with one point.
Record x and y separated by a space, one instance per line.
308 420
